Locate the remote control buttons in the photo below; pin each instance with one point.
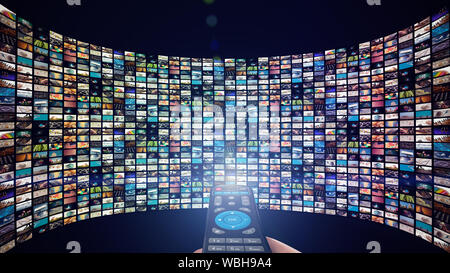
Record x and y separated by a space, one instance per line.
232 220
245 210
252 241
216 248
217 231
235 248
217 210
217 201
234 240
254 248
245 200
249 231
216 240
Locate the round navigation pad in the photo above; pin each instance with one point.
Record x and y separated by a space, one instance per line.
232 220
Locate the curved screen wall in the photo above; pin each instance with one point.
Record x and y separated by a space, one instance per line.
88 131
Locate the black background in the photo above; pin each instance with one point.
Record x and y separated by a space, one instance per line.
182 231
245 28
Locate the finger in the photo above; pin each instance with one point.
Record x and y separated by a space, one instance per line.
279 247
200 250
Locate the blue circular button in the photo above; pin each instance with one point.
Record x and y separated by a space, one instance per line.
232 220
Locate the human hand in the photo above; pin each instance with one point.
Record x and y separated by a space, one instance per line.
275 245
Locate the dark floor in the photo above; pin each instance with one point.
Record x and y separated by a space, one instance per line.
182 231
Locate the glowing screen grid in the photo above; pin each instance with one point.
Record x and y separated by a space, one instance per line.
88 131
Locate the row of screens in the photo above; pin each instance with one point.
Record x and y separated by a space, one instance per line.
87 131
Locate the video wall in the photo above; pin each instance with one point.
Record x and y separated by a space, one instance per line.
88 131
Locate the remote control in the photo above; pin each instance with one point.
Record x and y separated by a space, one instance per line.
233 223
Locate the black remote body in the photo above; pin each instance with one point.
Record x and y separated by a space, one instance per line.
233 224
